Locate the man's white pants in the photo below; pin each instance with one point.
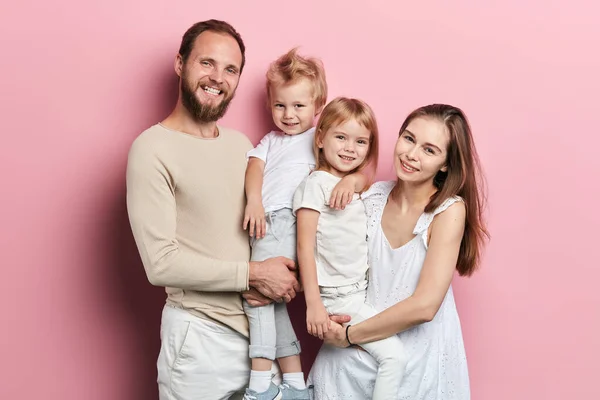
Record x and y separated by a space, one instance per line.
201 359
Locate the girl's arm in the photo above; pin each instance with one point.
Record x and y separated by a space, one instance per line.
317 319
438 269
342 193
254 216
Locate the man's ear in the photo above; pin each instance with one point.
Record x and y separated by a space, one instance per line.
178 65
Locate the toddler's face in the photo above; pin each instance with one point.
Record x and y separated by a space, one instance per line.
293 106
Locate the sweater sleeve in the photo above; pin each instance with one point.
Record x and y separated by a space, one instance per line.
153 218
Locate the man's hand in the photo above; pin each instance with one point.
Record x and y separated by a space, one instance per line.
275 278
255 299
254 220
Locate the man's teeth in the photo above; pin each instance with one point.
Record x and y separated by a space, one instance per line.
211 90
408 167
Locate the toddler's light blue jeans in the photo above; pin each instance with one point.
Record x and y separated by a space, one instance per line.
271 333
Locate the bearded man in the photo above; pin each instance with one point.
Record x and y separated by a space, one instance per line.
185 199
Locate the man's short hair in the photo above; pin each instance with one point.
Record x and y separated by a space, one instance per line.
212 25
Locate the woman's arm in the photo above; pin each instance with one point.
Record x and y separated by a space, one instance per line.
317 319
438 269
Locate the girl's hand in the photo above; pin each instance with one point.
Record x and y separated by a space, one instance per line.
254 220
343 192
317 320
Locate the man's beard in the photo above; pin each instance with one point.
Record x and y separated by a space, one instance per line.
202 112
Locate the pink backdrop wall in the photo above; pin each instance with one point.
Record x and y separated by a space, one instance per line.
80 81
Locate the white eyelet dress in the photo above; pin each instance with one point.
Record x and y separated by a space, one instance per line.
437 364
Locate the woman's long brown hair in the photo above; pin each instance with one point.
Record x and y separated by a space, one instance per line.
463 178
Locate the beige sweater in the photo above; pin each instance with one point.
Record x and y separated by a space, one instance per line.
185 198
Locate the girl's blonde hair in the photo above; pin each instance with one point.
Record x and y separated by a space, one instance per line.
339 111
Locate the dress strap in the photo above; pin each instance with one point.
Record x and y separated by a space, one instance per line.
422 226
375 199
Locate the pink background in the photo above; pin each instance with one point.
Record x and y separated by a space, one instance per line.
79 82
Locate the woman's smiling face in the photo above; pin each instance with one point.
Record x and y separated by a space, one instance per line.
421 150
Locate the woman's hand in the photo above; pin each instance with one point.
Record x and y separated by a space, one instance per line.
336 335
317 320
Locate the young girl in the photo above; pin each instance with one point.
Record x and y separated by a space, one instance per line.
332 244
